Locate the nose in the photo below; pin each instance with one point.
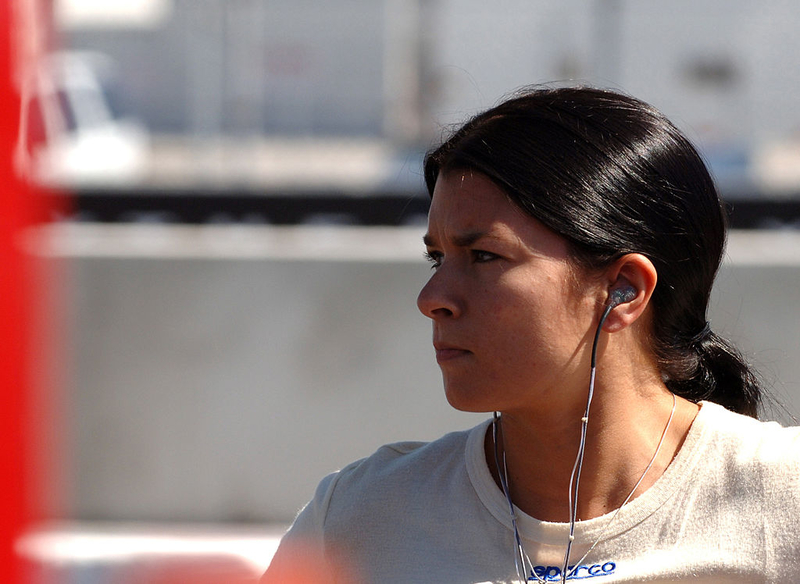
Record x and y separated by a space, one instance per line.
436 299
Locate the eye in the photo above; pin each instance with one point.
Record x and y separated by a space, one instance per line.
480 256
434 257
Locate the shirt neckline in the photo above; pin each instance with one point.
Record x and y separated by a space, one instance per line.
554 533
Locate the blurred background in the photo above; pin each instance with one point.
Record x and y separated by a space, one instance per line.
238 243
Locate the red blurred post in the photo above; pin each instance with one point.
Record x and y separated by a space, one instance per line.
13 316
19 209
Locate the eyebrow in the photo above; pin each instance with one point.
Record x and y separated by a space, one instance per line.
462 240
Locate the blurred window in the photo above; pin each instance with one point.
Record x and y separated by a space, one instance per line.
67 114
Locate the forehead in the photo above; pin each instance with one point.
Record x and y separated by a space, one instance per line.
468 206
467 200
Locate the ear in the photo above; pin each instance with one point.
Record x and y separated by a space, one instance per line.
638 272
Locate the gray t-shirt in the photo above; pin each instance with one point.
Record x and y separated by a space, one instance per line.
727 509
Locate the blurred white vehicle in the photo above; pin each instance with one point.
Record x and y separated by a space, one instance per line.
70 136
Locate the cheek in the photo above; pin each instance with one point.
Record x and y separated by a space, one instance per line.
519 327
534 309
539 327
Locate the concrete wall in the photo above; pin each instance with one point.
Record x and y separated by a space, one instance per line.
220 372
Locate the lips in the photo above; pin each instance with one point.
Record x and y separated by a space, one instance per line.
447 352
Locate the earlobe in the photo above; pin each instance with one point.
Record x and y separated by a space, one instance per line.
632 279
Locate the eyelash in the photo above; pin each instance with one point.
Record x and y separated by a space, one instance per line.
434 258
478 255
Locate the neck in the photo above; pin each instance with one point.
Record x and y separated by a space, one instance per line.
622 436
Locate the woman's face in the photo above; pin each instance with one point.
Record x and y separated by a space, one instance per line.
512 318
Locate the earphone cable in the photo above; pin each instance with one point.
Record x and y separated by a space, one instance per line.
636 486
575 477
522 562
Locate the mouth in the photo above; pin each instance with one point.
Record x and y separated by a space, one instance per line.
445 352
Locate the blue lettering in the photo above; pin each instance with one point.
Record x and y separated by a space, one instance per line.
552 572
577 572
581 572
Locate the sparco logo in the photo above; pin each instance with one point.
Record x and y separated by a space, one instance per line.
553 573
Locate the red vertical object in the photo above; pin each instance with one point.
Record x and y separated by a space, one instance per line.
14 314
20 208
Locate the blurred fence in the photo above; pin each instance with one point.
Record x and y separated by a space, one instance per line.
220 371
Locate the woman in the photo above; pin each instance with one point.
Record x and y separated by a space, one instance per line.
574 235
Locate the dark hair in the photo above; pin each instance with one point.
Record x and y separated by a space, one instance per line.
613 176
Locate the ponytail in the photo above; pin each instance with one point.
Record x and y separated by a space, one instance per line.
710 368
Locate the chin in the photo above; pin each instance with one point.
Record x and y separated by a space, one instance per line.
466 399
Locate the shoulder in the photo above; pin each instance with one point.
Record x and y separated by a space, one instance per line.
356 511
401 482
401 463
390 473
750 456
748 440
